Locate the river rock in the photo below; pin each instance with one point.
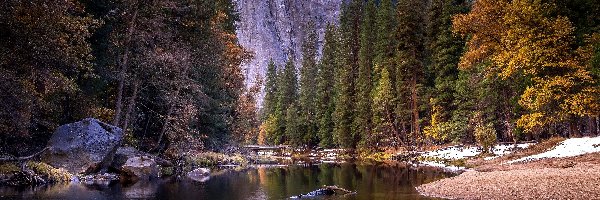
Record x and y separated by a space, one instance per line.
140 168
83 147
200 174
122 155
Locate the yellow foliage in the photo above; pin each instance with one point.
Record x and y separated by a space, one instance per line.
520 38
436 129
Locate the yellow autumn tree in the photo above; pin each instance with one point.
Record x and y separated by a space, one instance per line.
522 38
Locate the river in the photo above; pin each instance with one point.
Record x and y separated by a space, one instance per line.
382 181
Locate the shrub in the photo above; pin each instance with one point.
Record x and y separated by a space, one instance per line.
485 136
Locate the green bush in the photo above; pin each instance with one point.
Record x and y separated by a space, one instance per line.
485 136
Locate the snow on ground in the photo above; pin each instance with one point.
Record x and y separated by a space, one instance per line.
441 165
503 149
462 152
568 148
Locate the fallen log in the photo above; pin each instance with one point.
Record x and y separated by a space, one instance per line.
14 159
325 191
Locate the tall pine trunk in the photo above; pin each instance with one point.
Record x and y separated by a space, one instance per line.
593 125
131 105
415 106
123 65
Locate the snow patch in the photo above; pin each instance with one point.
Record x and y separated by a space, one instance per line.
568 148
441 165
461 152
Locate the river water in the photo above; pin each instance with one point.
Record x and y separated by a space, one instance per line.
383 181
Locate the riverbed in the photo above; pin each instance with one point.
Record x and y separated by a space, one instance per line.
380 181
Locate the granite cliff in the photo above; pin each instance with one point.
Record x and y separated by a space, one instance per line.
276 28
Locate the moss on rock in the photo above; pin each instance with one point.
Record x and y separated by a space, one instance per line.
54 175
8 168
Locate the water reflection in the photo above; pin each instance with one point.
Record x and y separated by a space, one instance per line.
384 181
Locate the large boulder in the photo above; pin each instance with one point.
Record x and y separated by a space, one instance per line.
83 147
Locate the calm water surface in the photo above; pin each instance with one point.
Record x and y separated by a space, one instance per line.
386 181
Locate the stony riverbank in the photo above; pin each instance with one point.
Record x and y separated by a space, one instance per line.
554 169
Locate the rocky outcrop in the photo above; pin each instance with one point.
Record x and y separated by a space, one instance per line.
83 147
276 28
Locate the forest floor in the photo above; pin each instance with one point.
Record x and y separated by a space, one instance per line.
536 172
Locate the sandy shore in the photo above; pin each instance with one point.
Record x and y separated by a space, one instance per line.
565 178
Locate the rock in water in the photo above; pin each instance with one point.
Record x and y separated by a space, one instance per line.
200 174
83 147
141 168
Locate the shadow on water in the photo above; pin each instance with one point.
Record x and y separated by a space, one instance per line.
384 181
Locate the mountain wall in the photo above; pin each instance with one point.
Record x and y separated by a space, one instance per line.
276 28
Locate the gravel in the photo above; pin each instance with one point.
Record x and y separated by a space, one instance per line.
564 178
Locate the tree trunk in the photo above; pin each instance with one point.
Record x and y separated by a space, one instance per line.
165 126
593 125
123 65
131 105
415 107
574 129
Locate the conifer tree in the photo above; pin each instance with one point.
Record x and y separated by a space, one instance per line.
385 44
287 94
383 111
293 131
325 87
410 61
270 99
362 119
346 74
445 50
308 87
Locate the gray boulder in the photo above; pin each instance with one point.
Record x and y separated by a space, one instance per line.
140 168
200 174
83 147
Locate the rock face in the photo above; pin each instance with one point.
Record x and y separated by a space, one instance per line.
83 147
276 28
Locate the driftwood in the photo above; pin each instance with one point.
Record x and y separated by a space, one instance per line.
336 188
14 159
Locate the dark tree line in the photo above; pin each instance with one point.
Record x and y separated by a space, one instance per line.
166 71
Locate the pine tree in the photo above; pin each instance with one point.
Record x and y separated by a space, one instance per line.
445 49
325 87
270 99
362 119
287 94
383 110
386 23
385 57
308 87
410 60
293 131
346 74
